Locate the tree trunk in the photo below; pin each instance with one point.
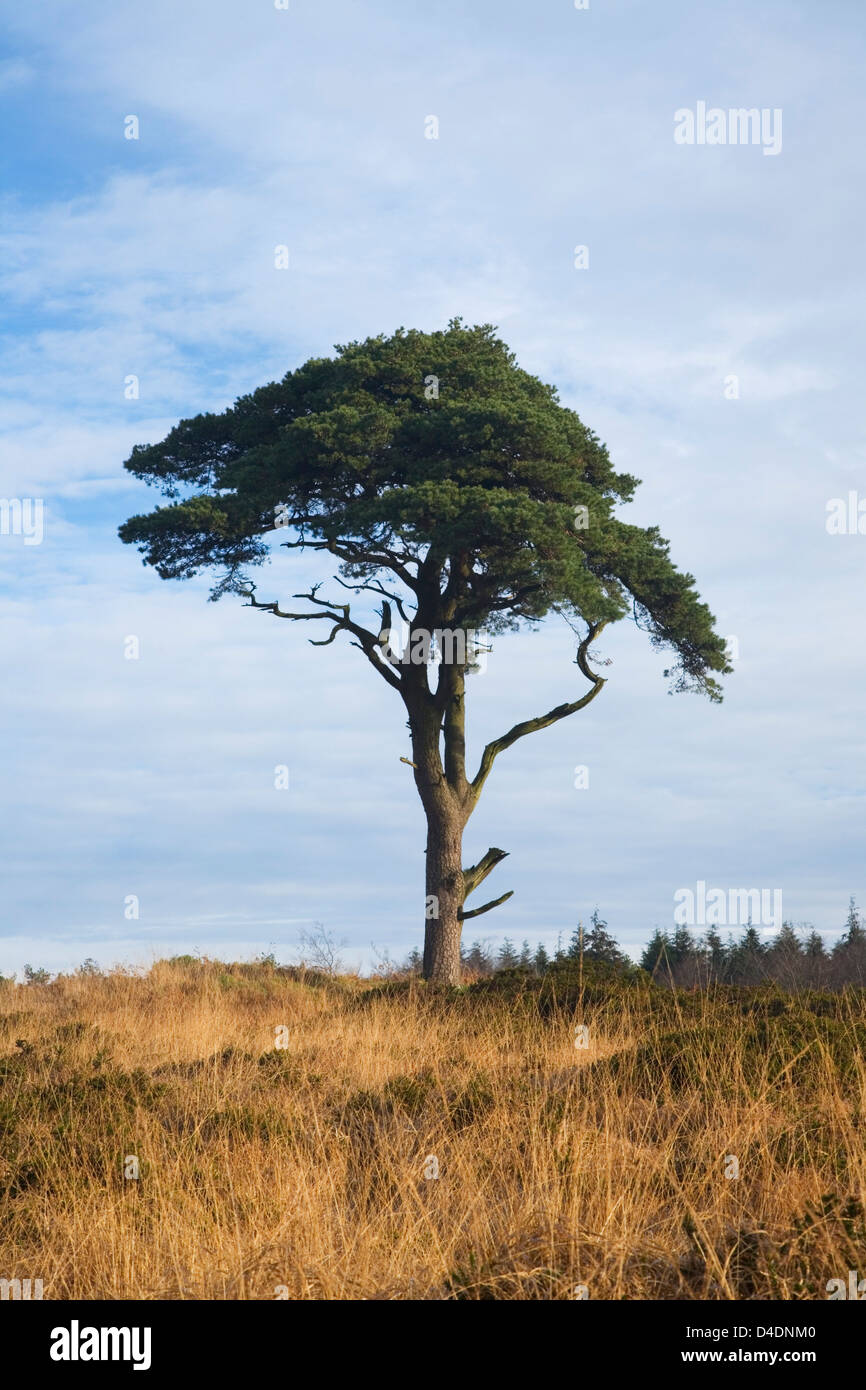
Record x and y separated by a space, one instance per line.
445 895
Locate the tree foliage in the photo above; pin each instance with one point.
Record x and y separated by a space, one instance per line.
435 459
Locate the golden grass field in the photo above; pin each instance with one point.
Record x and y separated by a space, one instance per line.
300 1171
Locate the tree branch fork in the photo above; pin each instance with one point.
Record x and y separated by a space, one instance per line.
465 792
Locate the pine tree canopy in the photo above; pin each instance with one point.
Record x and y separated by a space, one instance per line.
434 458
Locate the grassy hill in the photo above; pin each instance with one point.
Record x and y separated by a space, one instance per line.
582 1141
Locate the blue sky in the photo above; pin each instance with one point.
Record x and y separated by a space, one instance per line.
155 257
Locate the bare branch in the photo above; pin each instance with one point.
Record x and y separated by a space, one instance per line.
303 544
529 726
377 588
477 911
478 872
326 641
339 615
278 612
355 553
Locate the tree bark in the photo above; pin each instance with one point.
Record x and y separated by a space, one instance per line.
445 894
437 720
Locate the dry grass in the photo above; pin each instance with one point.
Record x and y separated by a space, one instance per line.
303 1168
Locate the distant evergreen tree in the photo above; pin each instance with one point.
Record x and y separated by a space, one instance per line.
854 933
414 962
816 961
559 954
599 945
573 952
786 942
656 958
849 953
686 960
477 958
853 940
508 957
786 964
682 946
525 960
541 960
715 956
813 946
749 963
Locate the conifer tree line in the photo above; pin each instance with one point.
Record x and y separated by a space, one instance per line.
792 959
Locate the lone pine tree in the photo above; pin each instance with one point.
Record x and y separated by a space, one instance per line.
454 486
